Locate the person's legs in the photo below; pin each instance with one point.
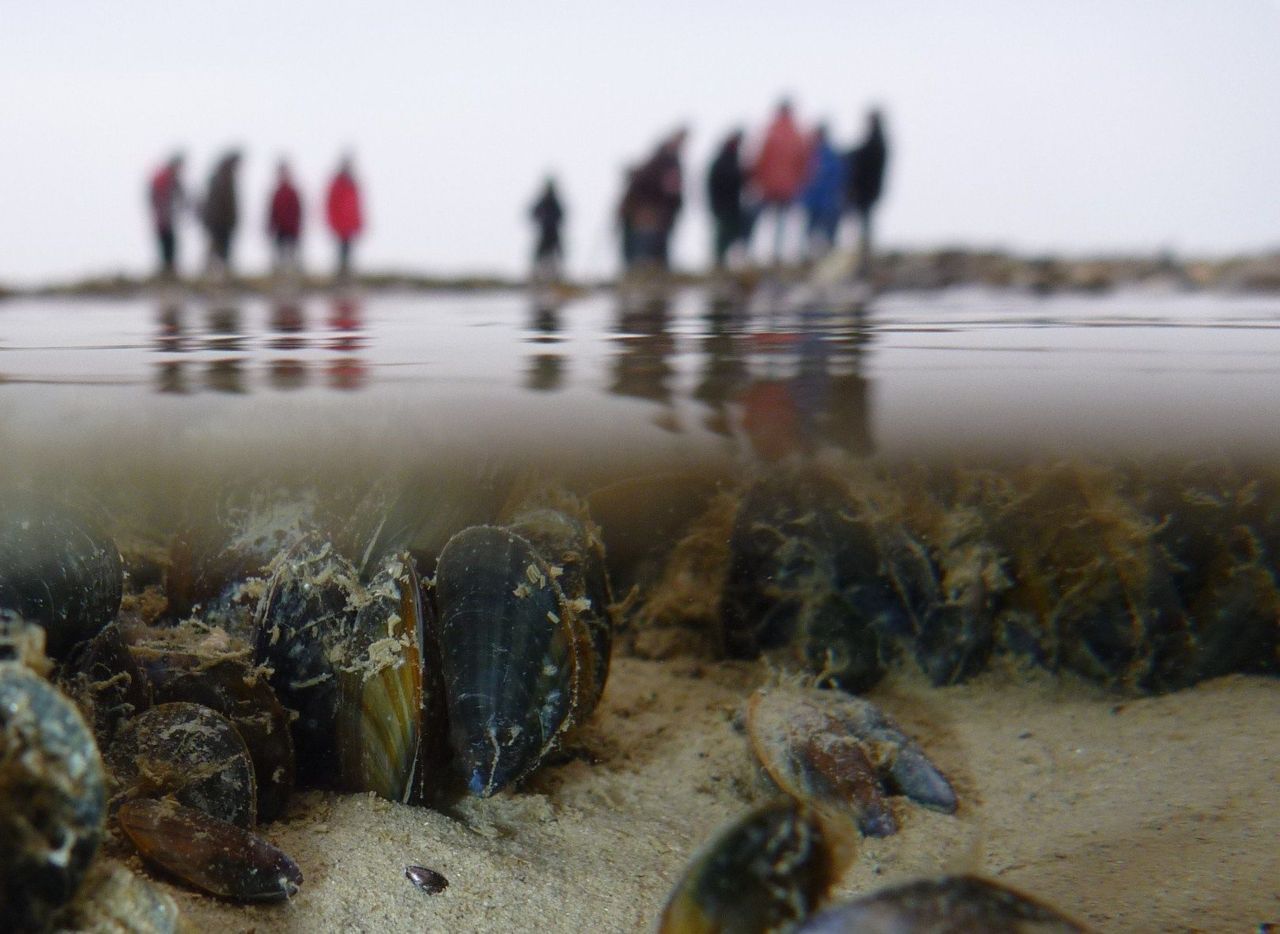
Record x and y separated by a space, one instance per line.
168 251
344 258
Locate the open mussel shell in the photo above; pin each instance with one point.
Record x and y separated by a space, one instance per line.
809 754
182 671
210 854
512 654
764 872
573 549
58 569
54 799
302 623
946 905
391 732
189 752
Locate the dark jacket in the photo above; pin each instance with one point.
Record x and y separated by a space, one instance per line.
547 212
220 211
724 182
866 170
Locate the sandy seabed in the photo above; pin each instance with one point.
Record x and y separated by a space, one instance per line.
1151 814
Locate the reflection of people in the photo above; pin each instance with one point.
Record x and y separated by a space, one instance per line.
865 179
780 169
284 221
343 211
823 195
167 198
220 212
724 192
548 215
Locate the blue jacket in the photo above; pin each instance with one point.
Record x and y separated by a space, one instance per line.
824 192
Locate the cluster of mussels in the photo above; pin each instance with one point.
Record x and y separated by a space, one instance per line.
276 657
1139 582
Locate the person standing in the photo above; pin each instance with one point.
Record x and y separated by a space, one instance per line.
284 221
724 192
823 195
865 181
220 212
343 211
167 199
548 215
780 169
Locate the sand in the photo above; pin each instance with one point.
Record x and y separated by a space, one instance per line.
1159 813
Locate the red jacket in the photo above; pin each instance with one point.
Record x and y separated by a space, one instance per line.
286 212
344 207
783 163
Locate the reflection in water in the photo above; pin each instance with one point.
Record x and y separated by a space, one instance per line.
545 371
347 320
288 373
225 327
724 371
641 365
806 389
170 331
226 374
231 348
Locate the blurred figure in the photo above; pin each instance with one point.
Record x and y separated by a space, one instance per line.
823 195
652 203
548 215
220 212
780 169
865 180
343 210
284 222
724 192
167 199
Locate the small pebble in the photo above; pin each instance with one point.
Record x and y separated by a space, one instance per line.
426 879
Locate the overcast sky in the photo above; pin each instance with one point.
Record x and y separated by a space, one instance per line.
1070 126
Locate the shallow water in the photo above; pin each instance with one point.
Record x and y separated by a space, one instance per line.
619 383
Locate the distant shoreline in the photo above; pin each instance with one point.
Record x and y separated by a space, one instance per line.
925 270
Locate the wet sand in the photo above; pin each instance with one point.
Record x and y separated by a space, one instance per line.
1157 813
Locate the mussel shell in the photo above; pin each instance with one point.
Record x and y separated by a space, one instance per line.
241 693
114 899
189 752
53 798
811 755
107 684
766 871
391 729
946 905
302 623
804 582
511 655
572 547
57 569
209 853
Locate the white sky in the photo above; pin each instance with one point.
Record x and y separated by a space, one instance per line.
1074 126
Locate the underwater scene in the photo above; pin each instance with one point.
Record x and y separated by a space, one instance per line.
741 606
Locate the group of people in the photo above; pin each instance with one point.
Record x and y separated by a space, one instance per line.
219 214
793 168
788 168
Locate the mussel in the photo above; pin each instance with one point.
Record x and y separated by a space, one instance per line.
191 753
209 853
518 659
58 569
53 790
767 871
843 755
946 905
